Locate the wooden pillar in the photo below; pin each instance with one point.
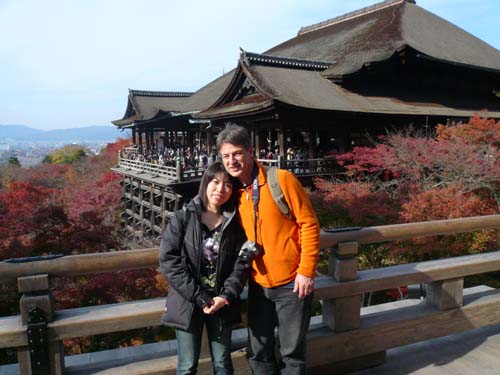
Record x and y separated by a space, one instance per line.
445 294
163 208
281 141
148 139
151 205
140 137
252 137
178 170
270 141
343 314
210 141
312 144
141 209
258 144
36 293
133 137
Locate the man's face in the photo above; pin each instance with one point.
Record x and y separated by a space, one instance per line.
238 161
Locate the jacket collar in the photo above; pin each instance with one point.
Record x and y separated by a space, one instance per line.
195 206
258 169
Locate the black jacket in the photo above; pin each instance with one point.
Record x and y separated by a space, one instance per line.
180 262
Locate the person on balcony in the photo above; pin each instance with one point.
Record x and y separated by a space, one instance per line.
199 257
280 292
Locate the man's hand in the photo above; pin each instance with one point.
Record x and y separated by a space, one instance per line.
303 285
217 304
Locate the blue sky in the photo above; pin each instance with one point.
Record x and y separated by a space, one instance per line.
67 64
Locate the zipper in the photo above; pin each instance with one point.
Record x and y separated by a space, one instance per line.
198 250
217 267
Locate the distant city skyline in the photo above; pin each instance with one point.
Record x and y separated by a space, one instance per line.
67 64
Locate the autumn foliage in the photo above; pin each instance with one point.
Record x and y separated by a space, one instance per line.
70 204
408 177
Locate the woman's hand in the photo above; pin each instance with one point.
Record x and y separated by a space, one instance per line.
217 304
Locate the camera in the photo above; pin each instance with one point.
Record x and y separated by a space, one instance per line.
249 251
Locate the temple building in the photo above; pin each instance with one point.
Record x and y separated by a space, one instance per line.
334 85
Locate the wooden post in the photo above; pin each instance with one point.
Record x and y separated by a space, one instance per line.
281 141
445 294
178 169
36 293
163 208
141 209
151 205
139 133
343 314
257 145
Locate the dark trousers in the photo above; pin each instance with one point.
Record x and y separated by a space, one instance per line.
277 307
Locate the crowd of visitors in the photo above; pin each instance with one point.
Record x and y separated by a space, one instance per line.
200 157
189 157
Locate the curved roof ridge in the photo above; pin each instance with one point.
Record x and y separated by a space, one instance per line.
351 15
262 59
160 94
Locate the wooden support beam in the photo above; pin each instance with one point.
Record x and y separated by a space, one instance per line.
343 314
409 321
407 274
445 294
36 294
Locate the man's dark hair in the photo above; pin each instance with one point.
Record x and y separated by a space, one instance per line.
212 170
236 135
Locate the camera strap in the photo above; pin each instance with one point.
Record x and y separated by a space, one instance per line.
255 200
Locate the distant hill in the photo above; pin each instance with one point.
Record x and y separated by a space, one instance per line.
18 131
86 134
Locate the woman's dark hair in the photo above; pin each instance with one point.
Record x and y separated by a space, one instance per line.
213 170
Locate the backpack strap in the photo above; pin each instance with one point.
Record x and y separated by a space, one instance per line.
186 215
276 192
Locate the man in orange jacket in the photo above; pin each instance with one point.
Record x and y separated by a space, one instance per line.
286 248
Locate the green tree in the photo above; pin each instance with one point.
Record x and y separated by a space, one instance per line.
66 155
13 161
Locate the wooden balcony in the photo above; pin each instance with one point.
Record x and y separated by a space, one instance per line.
166 175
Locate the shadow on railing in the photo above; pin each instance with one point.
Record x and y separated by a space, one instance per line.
347 333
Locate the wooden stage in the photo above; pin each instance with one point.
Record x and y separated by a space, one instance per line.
469 353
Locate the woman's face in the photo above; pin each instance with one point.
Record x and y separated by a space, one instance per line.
219 191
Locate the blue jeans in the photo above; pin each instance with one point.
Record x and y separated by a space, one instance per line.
277 307
189 345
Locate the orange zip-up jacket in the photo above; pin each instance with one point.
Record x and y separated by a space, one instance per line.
291 246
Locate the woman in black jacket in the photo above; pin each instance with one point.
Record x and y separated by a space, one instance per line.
199 258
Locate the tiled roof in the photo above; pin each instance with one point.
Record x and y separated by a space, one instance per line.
350 15
261 59
160 94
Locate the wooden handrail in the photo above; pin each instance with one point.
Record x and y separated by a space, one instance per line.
132 259
376 279
398 232
73 265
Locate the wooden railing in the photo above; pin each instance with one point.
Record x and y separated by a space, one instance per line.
346 333
299 167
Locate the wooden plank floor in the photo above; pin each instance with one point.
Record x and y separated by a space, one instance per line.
468 353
